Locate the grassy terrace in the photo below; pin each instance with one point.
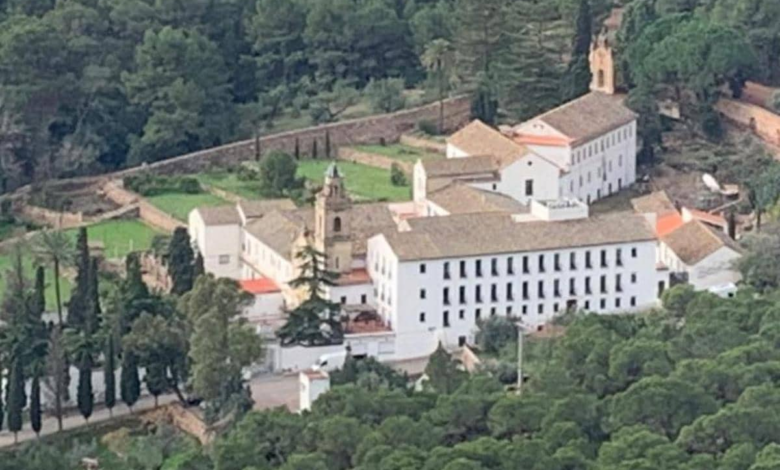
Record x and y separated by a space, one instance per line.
363 182
179 205
400 152
119 237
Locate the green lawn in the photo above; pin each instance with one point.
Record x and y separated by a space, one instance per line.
6 262
179 205
120 237
363 182
228 181
400 152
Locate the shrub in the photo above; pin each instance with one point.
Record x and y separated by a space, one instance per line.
147 184
495 333
277 174
386 96
248 172
397 176
428 127
189 185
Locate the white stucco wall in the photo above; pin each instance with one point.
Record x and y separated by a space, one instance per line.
716 270
220 246
544 175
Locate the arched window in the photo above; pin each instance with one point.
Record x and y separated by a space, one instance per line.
601 79
337 224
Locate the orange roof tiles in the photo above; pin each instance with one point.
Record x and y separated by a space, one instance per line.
543 140
707 218
668 223
260 286
357 276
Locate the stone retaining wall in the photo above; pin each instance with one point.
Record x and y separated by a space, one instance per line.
372 159
49 218
424 144
764 123
146 211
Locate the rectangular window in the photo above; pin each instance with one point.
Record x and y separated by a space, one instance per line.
363 299
525 310
463 269
633 252
478 294
224 259
446 270
557 262
494 267
540 309
526 269
477 314
633 278
617 302
588 290
555 307
557 288
509 310
478 268
619 257
462 295
540 289
422 268
603 284
603 304
572 286
633 301
603 258
510 293
588 264
446 295
573 261
422 293
493 293
446 319
525 290
587 305
618 283
422 317
492 311
541 263
529 187
462 314
510 266
343 300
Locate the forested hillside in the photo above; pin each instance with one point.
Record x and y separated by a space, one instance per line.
92 85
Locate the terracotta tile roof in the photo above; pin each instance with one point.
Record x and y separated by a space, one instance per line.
263 285
589 116
355 277
477 138
279 229
542 140
483 234
255 209
459 198
694 241
708 218
668 223
657 203
219 215
462 167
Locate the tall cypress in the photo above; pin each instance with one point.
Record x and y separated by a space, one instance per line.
327 144
15 396
94 310
199 268
85 397
577 79
2 409
130 384
56 366
80 300
109 375
181 262
156 380
35 403
38 302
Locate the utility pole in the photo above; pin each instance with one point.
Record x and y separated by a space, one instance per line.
519 358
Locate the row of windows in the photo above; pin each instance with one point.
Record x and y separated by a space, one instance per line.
559 290
524 310
481 268
609 141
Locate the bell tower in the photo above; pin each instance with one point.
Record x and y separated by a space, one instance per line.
602 65
332 231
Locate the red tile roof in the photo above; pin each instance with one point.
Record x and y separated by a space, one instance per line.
260 286
543 140
357 276
707 218
668 223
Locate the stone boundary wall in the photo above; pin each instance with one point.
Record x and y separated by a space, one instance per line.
423 144
372 159
757 94
50 218
369 130
183 419
764 123
146 211
222 194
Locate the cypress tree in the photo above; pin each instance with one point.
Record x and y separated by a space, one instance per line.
56 367
35 403
109 376
2 410
85 398
38 302
79 308
327 144
130 384
297 152
15 396
199 269
578 76
181 262
92 321
314 149
156 381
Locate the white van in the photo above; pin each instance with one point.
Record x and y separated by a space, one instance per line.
330 362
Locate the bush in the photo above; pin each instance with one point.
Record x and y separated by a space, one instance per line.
248 172
495 333
189 185
277 174
386 96
147 184
397 176
428 127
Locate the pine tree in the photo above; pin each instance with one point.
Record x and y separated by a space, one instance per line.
443 373
109 375
35 403
80 300
15 395
481 44
130 384
577 78
181 262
